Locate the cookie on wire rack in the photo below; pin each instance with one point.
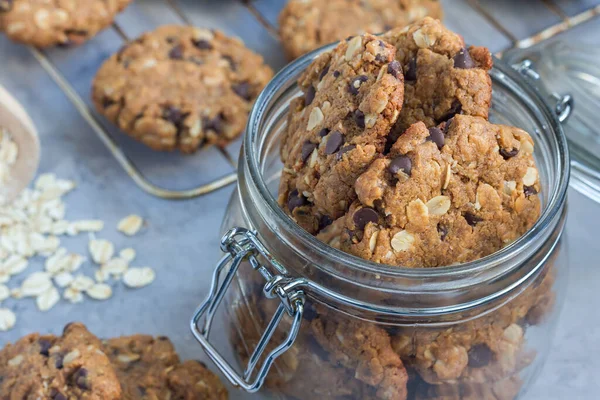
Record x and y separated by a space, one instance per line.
45 23
181 87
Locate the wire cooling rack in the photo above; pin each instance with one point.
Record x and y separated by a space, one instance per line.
565 23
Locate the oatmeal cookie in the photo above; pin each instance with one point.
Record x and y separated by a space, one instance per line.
149 368
72 366
305 25
180 87
44 23
445 195
442 77
352 97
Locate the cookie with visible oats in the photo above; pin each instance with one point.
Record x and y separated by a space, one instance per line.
44 23
71 366
305 25
180 87
149 368
444 195
352 97
442 77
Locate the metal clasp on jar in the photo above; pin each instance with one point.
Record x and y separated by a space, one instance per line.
240 244
564 103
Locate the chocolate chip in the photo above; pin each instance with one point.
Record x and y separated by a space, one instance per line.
436 136
508 153
231 61
323 132
309 96
174 115
295 200
443 231
58 363
365 215
176 53
45 347
455 108
343 151
401 163
359 118
6 5
447 125
202 44
463 60
215 124
309 312
107 102
411 70
80 379
336 74
56 395
480 355
472 219
324 221
355 83
307 149
529 191
334 141
323 73
394 69
381 58
243 89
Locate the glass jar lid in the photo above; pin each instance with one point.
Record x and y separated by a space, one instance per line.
574 72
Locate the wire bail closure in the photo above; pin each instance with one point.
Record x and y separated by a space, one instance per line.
240 245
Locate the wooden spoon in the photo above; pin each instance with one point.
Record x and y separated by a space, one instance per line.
14 119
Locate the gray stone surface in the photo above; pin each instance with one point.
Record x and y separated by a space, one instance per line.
181 239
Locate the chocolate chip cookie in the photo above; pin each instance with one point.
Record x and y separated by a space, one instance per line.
149 368
442 76
444 195
180 87
305 25
352 98
44 23
72 366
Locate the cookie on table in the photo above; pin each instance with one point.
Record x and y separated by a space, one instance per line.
442 77
444 195
305 25
352 98
180 87
44 23
72 366
149 368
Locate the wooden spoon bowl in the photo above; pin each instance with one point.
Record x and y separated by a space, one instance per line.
14 119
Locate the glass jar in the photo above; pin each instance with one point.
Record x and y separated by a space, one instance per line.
309 321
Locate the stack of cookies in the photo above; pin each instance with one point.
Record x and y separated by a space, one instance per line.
389 156
77 365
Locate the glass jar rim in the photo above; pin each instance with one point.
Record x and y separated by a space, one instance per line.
550 213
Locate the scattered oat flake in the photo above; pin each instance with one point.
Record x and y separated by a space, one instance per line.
14 264
7 319
36 284
99 291
48 299
115 266
63 279
73 295
130 225
127 254
81 283
4 293
138 277
88 225
101 250
101 275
